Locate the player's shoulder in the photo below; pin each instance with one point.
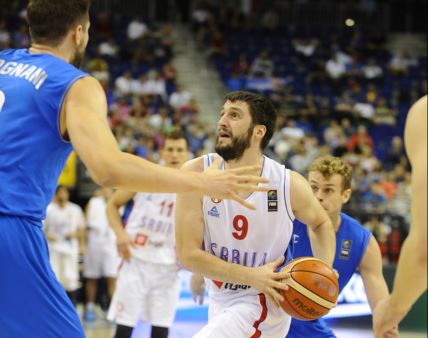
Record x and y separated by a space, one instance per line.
353 224
200 163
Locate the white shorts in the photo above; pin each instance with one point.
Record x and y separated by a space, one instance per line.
66 268
250 316
101 260
145 291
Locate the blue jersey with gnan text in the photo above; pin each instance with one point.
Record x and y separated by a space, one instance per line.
351 244
32 151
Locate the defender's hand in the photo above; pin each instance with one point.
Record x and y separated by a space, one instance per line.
226 184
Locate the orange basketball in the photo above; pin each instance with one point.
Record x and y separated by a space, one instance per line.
313 289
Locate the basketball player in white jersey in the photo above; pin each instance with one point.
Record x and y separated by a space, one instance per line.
101 258
64 227
411 278
239 250
147 285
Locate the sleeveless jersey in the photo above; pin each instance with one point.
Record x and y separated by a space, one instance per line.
351 244
249 237
32 151
151 224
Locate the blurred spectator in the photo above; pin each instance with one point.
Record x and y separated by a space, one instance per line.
108 47
372 70
301 159
400 63
21 39
394 153
364 110
380 231
270 20
383 114
305 47
180 97
4 34
262 66
361 137
136 29
124 83
242 66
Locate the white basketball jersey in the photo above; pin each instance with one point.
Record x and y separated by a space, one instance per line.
62 221
249 237
151 224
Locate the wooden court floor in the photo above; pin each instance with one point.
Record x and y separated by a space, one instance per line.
102 329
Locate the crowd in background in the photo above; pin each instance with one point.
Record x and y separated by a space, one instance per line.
337 91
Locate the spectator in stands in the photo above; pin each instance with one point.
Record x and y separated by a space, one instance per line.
21 39
400 63
242 66
332 134
262 66
305 47
124 83
364 111
270 20
394 153
136 29
180 97
301 159
108 48
384 115
4 33
335 68
361 137
372 71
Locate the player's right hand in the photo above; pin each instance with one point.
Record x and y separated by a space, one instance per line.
227 184
269 282
123 243
197 286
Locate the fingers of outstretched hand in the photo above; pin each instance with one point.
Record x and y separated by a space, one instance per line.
242 201
274 296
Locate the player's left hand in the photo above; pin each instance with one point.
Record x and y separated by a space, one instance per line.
197 286
386 319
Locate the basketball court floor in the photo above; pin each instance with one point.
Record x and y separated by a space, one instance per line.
186 329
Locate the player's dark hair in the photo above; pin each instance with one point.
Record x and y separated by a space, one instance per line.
261 109
50 20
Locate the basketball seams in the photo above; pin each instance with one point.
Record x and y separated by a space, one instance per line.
315 273
311 295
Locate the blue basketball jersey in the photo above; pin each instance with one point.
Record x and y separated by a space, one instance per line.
351 243
32 151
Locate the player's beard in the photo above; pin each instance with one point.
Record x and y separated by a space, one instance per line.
236 148
77 59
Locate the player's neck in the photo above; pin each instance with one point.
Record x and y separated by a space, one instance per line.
336 220
250 157
59 52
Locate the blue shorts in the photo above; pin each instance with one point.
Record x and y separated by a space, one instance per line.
313 329
32 301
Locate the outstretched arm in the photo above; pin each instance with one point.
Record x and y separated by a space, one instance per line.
115 202
308 210
86 124
189 238
371 271
411 276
